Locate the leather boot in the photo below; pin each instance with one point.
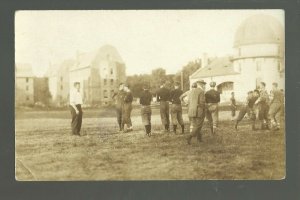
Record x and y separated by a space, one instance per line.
199 137
188 139
182 129
174 128
212 130
236 125
167 127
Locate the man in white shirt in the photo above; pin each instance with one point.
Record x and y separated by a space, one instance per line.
75 107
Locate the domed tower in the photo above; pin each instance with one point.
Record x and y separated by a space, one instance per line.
259 53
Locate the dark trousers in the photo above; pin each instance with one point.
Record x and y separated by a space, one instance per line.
176 114
164 113
243 111
76 120
119 117
126 114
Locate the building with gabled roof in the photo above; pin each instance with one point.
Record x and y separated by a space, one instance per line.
100 72
258 57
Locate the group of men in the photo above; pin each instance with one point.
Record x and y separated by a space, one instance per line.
269 105
200 103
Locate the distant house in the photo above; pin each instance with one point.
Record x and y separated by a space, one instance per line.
99 73
58 75
24 85
259 56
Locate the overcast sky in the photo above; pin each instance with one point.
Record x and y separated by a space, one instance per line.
145 39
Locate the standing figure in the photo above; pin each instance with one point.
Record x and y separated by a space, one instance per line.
176 109
183 98
127 108
212 98
75 108
275 107
119 101
248 108
163 96
263 107
196 110
145 101
232 106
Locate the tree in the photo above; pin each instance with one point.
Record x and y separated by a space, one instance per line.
41 91
157 76
187 70
137 82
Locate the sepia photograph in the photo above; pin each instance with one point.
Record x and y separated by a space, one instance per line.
150 95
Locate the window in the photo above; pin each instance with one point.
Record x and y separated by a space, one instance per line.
61 78
112 81
27 98
258 66
105 81
27 79
105 93
61 87
111 71
27 88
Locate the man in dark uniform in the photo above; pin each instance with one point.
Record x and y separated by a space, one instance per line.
232 106
248 108
196 110
163 96
119 101
212 98
176 109
126 109
145 101
275 107
75 108
263 107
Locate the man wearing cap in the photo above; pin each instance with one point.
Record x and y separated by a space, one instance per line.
212 99
119 101
163 96
176 109
75 108
275 107
196 110
145 101
263 107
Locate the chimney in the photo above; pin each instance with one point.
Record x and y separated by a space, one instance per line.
204 60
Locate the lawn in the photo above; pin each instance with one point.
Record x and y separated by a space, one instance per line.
45 150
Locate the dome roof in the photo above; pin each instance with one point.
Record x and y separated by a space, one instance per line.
259 29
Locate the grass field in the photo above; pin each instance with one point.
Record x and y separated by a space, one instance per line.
45 150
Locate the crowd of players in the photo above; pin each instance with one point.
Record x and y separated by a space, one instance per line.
201 104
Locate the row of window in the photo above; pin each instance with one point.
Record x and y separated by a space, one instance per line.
111 81
258 66
105 93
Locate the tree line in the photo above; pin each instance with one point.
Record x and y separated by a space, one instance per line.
157 76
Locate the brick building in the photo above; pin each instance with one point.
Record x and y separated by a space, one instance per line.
24 85
99 73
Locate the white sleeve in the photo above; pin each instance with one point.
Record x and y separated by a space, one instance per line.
72 97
